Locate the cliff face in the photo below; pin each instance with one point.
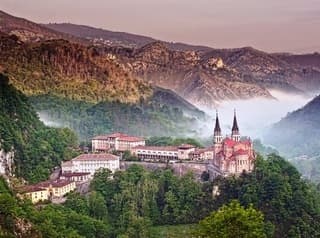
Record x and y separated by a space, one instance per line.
69 70
200 79
204 75
208 78
6 162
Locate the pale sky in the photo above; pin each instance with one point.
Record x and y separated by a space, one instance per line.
270 25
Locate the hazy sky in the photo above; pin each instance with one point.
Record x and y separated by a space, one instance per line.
271 25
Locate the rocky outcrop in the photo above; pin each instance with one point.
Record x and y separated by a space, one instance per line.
202 80
6 162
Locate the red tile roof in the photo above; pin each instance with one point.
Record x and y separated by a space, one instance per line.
53 183
67 163
186 146
120 136
74 174
31 188
229 142
131 139
42 186
60 183
101 157
241 152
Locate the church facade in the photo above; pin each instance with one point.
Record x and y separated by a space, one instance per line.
231 154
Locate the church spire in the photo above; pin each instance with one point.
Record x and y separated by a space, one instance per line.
217 129
217 137
235 129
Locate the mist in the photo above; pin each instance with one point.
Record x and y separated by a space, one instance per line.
46 119
254 116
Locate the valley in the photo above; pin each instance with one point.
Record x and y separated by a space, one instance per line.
113 134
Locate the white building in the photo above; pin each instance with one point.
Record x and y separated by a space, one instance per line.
163 153
156 153
116 141
90 163
202 154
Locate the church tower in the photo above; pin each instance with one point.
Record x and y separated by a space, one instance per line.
235 135
217 137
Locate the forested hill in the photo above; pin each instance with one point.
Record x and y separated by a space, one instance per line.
37 148
163 114
297 134
138 203
68 70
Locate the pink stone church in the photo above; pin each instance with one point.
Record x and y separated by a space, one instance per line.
232 155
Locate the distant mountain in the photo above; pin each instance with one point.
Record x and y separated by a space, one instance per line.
102 37
299 132
202 81
246 73
29 31
202 75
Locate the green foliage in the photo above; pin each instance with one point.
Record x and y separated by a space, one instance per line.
233 221
21 218
137 199
145 118
308 167
275 188
173 231
168 141
262 149
37 148
127 156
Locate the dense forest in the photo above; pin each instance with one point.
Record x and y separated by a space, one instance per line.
273 201
37 148
68 70
152 117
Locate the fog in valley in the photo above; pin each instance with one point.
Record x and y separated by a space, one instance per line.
254 116
48 121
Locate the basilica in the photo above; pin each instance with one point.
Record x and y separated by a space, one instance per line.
231 154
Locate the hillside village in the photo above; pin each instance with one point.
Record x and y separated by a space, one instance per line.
230 155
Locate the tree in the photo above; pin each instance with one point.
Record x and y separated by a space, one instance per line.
97 206
233 221
77 203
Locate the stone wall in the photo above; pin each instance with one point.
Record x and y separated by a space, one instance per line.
179 168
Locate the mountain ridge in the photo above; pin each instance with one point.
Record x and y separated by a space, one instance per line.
103 37
30 31
296 133
205 77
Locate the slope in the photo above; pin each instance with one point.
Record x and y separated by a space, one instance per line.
162 114
297 133
69 70
102 37
29 31
37 148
